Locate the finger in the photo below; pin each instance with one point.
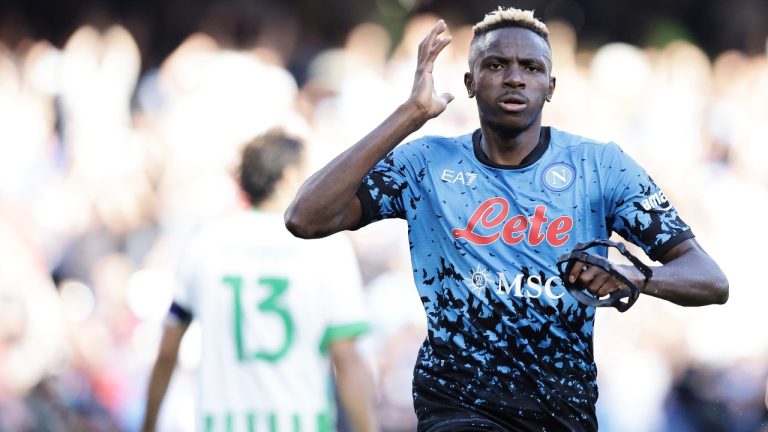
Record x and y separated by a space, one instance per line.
576 270
442 42
597 277
446 98
438 28
437 47
610 285
434 35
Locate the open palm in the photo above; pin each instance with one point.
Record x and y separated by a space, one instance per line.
423 93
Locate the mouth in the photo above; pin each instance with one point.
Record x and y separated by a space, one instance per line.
512 103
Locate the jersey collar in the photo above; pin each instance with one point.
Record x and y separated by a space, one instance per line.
528 160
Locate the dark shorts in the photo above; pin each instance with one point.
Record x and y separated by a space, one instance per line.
464 425
444 415
463 422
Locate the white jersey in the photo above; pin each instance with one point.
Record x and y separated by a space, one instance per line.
268 304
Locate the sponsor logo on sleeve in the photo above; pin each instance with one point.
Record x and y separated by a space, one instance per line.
656 202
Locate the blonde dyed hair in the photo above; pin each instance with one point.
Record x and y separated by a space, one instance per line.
511 17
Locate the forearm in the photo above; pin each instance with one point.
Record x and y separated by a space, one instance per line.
161 372
354 384
158 385
356 393
691 279
320 207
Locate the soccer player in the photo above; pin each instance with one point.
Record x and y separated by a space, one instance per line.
272 309
488 215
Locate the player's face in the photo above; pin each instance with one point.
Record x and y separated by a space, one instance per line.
510 77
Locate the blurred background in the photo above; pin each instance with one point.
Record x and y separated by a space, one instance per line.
121 121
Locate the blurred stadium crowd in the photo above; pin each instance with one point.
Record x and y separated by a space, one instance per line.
106 164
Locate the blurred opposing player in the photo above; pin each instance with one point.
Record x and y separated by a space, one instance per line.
272 309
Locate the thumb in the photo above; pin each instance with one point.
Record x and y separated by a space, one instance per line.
446 97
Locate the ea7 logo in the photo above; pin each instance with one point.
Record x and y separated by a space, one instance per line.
453 177
657 201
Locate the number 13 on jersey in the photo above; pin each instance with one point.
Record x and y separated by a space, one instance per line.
272 305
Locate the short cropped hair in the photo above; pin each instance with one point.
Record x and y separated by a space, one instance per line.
511 17
263 162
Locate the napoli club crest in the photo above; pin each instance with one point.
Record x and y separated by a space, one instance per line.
558 177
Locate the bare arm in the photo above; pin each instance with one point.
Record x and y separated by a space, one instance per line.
354 384
161 372
326 202
688 277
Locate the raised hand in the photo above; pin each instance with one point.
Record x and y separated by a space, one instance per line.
423 94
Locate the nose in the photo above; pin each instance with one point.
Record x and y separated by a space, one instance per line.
514 77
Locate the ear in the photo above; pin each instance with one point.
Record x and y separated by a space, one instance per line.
469 82
551 88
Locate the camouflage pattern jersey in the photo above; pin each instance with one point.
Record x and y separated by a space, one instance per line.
505 339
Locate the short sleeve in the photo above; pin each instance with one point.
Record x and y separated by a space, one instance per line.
343 298
382 192
639 210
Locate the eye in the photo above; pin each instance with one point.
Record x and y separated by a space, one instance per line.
533 68
495 66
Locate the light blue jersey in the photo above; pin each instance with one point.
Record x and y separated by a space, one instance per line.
505 338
